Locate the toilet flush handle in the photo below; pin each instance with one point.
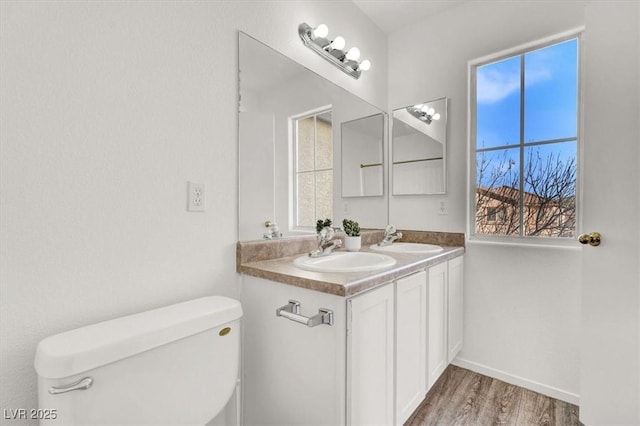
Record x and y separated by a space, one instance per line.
82 384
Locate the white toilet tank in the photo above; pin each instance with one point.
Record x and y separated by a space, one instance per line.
176 365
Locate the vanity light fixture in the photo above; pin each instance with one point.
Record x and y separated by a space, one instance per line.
333 50
424 113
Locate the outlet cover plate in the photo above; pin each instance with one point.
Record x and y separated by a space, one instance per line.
196 200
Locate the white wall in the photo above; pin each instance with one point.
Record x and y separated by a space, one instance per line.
522 305
108 109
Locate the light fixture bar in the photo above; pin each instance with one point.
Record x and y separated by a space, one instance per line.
423 114
346 61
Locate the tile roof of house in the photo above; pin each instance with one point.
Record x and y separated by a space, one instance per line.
509 195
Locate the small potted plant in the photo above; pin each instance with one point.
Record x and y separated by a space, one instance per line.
352 242
320 224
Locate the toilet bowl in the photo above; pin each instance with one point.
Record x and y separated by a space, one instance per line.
176 365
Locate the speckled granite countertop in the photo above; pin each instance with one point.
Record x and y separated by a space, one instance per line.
273 260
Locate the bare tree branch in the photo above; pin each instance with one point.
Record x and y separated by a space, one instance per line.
548 196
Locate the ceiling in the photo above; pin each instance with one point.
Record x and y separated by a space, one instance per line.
391 15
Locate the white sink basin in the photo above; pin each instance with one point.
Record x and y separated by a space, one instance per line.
410 248
345 262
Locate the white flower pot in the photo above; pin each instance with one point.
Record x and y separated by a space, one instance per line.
352 243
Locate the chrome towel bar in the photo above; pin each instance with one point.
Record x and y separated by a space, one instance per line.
292 311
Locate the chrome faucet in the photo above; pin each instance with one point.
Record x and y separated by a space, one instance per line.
325 243
272 230
390 235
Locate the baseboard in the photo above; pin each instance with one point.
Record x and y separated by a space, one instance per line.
518 381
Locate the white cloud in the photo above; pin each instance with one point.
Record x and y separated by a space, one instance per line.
493 85
496 83
538 68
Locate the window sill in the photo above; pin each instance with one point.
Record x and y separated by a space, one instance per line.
565 244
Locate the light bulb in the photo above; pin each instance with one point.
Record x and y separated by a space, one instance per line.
353 54
321 31
431 111
419 106
365 65
425 109
436 116
338 43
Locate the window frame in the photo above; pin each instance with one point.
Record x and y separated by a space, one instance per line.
472 65
293 165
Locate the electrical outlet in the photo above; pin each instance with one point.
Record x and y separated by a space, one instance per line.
443 208
196 197
345 209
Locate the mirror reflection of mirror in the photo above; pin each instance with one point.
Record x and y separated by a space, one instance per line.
419 148
362 157
289 147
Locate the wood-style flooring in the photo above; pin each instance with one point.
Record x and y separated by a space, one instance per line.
462 397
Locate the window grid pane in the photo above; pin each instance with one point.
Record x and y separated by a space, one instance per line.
305 143
551 92
324 143
498 103
497 195
324 194
550 190
305 199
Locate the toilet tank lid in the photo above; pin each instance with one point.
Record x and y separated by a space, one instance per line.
85 348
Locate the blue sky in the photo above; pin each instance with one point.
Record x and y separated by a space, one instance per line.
550 97
550 93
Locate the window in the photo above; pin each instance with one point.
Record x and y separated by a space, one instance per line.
495 214
313 169
524 139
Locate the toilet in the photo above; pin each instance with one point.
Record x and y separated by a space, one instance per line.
176 365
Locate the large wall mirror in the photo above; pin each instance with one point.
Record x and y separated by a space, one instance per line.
419 148
292 123
362 157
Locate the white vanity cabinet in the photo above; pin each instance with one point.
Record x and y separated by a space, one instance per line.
444 316
455 306
436 322
292 374
370 357
411 344
324 375
371 366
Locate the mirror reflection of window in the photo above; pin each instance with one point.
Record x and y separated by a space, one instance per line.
313 168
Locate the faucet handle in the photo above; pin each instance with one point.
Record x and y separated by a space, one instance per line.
390 229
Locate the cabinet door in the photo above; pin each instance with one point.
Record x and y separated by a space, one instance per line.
292 374
436 323
411 336
370 357
456 274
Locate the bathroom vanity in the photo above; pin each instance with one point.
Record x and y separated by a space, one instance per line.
393 332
